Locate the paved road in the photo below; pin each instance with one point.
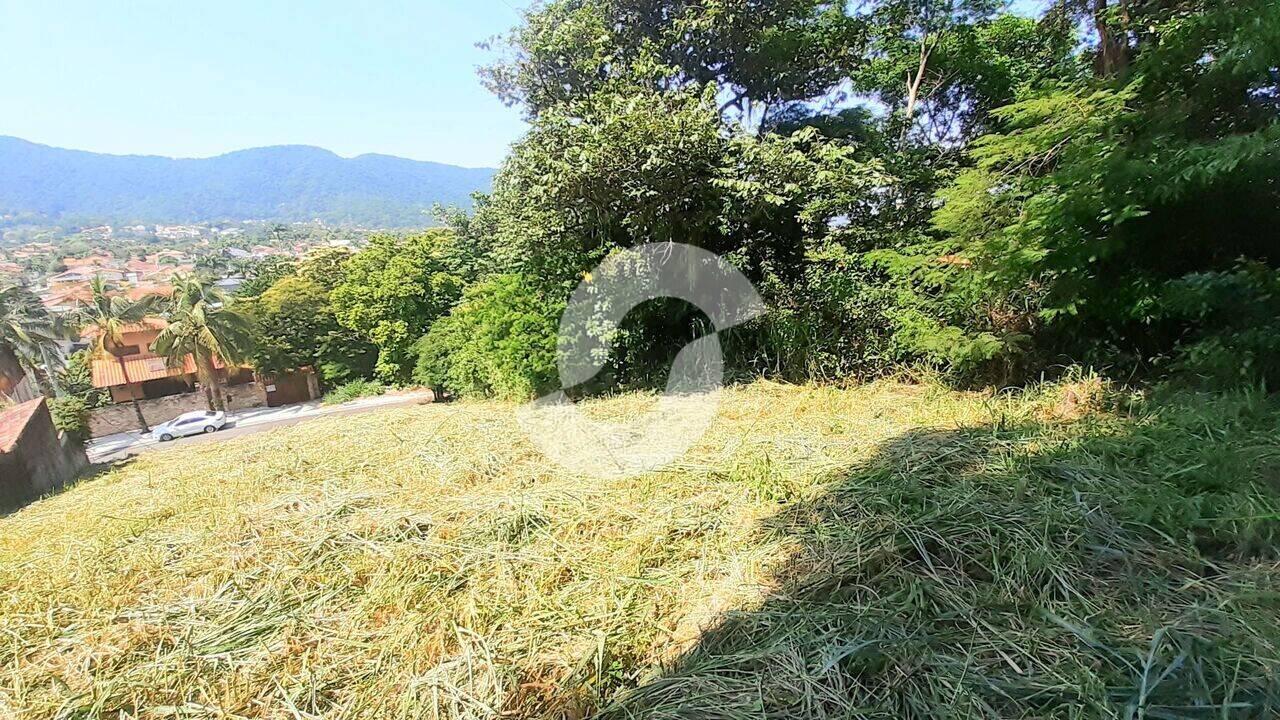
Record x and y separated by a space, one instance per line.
111 448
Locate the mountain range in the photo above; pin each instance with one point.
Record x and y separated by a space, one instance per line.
283 183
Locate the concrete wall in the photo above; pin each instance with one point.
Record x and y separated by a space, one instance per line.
119 418
39 461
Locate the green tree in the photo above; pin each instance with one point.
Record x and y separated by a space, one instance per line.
628 166
1015 203
28 337
202 324
296 327
500 341
70 414
214 264
324 266
76 379
262 273
941 66
756 54
1100 198
720 124
395 288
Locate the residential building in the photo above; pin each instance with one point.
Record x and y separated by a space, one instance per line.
141 270
148 288
101 232
135 372
177 232
66 298
174 256
84 274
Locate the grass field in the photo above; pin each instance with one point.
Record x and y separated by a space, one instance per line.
887 551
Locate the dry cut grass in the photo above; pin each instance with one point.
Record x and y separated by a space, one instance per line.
885 551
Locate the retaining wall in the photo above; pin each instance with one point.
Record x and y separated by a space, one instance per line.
119 418
35 459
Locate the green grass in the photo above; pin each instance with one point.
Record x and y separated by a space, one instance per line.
352 391
888 551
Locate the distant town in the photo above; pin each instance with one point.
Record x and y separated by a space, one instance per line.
58 264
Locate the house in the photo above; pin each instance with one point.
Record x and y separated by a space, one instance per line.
177 232
85 274
135 372
100 260
164 392
67 298
145 289
101 232
139 270
34 457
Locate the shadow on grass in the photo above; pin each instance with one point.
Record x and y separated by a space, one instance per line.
101 468
91 472
1014 572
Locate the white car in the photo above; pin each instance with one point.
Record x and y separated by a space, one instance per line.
192 423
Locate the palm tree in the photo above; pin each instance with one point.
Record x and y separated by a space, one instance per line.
28 336
211 264
111 318
203 326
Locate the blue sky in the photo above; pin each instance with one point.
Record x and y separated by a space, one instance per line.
192 79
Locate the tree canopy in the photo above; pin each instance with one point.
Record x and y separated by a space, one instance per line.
201 324
907 181
395 288
297 327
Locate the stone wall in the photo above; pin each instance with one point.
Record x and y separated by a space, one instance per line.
35 459
119 418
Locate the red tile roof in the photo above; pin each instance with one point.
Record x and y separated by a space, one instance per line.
107 371
89 262
14 420
140 291
144 267
62 297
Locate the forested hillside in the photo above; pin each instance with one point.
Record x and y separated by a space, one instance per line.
285 183
907 182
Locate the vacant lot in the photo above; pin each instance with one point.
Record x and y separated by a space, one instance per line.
886 551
